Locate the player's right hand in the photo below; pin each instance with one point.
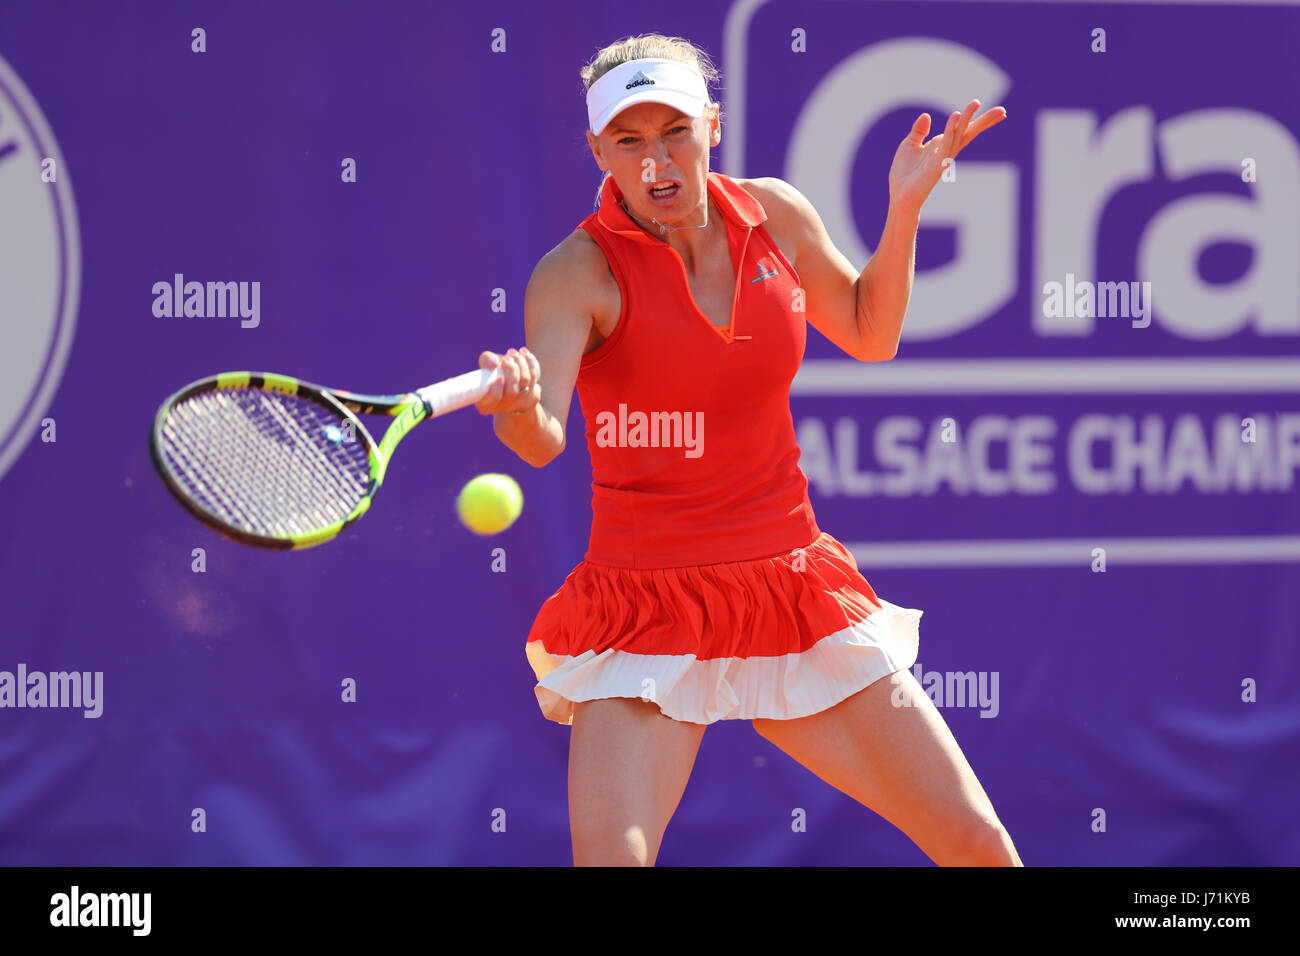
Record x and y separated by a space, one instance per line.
519 387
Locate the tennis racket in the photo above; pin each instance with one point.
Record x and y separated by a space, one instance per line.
275 462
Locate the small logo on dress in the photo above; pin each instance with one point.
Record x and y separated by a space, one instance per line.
640 80
764 269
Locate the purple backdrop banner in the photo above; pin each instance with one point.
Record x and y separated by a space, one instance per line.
1082 464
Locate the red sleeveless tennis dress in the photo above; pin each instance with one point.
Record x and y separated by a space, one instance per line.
707 586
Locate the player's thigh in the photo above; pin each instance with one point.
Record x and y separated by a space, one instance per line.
888 747
628 768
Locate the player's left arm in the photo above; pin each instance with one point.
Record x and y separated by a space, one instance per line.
861 312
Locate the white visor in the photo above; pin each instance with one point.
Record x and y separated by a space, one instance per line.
646 81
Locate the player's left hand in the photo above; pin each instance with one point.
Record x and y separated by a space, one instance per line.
918 165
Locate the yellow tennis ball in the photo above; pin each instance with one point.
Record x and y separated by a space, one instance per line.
490 503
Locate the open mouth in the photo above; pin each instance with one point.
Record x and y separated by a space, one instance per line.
665 190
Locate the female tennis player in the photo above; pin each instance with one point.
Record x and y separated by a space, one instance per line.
708 592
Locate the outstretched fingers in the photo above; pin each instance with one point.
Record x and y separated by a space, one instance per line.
986 120
954 136
962 127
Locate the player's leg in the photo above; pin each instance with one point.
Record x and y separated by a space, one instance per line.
903 763
628 767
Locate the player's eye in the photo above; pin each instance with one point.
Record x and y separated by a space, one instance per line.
626 140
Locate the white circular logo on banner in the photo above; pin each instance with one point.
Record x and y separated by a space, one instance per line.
40 266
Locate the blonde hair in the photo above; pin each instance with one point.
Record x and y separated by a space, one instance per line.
651 46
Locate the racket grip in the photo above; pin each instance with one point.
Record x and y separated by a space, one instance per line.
458 392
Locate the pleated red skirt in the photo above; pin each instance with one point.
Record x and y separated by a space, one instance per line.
780 637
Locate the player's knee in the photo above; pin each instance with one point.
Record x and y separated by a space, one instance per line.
609 856
611 846
984 842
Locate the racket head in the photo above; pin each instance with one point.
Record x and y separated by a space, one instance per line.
266 460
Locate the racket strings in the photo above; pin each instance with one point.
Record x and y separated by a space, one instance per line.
268 464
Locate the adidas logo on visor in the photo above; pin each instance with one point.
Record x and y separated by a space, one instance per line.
640 80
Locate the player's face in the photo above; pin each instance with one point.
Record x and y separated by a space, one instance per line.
652 145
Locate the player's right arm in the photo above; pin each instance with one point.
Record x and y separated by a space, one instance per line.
560 302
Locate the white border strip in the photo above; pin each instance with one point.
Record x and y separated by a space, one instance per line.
1047 376
1076 552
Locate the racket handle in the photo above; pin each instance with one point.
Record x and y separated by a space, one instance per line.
458 392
